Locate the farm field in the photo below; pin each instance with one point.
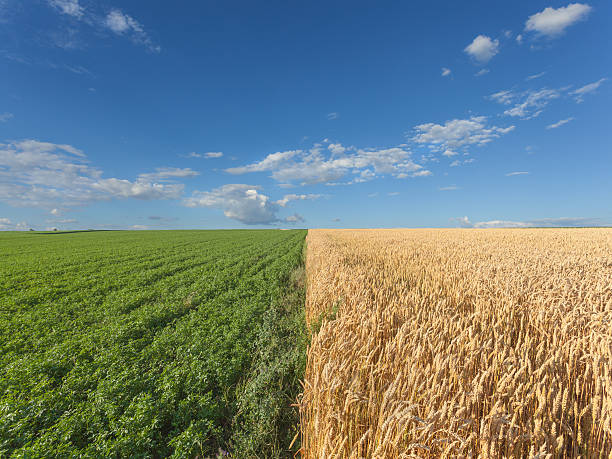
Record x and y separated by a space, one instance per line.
150 344
458 343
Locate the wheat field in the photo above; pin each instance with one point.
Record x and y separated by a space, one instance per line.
458 343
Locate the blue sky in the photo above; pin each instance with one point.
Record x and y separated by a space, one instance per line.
140 114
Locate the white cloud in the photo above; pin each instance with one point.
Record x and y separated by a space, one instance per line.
332 116
69 7
55 212
336 148
559 123
296 197
6 224
455 163
295 218
528 104
512 174
314 166
4 117
393 193
458 132
537 75
449 188
164 173
208 155
47 175
587 89
482 72
519 39
445 71
543 222
552 22
482 48
123 24
240 202
502 97
449 153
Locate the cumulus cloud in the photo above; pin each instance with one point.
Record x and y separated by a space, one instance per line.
559 123
47 175
458 132
69 7
315 166
552 22
540 223
445 71
587 89
482 49
449 153
4 117
240 202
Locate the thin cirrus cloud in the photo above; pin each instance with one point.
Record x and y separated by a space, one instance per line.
449 188
552 22
527 104
512 174
465 222
208 155
243 203
314 166
48 175
115 21
4 117
446 71
532 102
587 89
560 123
482 49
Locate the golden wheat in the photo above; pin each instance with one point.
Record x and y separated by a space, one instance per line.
459 343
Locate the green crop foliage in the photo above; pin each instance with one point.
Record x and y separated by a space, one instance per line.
150 344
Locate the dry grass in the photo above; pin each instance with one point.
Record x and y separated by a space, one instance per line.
459 343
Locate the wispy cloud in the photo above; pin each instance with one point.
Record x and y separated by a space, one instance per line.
445 71
539 223
296 197
559 123
4 117
208 155
482 48
123 24
68 7
332 116
458 132
449 188
552 22
114 20
527 104
482 72
537 75
587 89
512 174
